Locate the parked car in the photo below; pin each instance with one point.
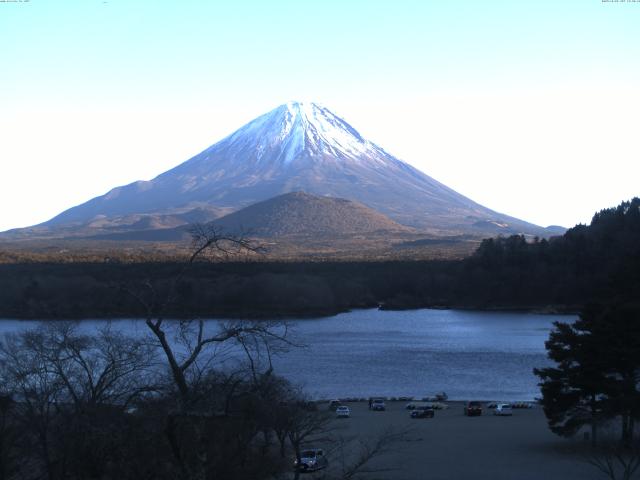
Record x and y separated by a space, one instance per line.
441 397
333 404
422 411
503 409
311 459
377 404
434 405
343 411
472 409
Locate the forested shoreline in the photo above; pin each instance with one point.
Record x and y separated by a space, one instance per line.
599 262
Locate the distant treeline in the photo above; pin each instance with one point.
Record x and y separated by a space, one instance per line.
599 262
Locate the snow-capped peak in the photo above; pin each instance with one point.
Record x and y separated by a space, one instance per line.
297 146
299 130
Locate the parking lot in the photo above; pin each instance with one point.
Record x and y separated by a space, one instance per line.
454 446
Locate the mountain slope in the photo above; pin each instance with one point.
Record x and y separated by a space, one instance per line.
299 213
292 214
300 147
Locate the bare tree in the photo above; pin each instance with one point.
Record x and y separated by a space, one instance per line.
28 377
9 435
367 451
188 347
67 387
304 424
107 368
617 462
184 342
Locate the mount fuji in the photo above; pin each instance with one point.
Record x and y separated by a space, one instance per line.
295 147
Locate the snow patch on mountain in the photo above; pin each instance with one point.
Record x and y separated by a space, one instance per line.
296 130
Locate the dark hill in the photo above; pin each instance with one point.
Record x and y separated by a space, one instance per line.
299 213
292 214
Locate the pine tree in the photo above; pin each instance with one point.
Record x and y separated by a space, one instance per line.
597 375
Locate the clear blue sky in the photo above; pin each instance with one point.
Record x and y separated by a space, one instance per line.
529 107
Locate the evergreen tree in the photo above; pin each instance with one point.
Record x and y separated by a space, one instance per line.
597 376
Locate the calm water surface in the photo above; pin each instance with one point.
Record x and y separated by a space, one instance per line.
468 354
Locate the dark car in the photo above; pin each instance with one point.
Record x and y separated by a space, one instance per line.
423 412
472 409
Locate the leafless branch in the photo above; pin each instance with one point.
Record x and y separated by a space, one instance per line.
369 450
617 462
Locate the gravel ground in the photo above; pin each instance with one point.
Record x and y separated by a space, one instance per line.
453 446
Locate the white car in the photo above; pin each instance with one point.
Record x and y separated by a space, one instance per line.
503 409
343 412
311 459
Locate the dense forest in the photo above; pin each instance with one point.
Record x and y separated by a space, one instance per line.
600 261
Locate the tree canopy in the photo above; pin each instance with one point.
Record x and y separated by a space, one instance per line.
597 372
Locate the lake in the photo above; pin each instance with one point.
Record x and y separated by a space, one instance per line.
468 354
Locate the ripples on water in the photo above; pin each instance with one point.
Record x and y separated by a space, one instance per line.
468 354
